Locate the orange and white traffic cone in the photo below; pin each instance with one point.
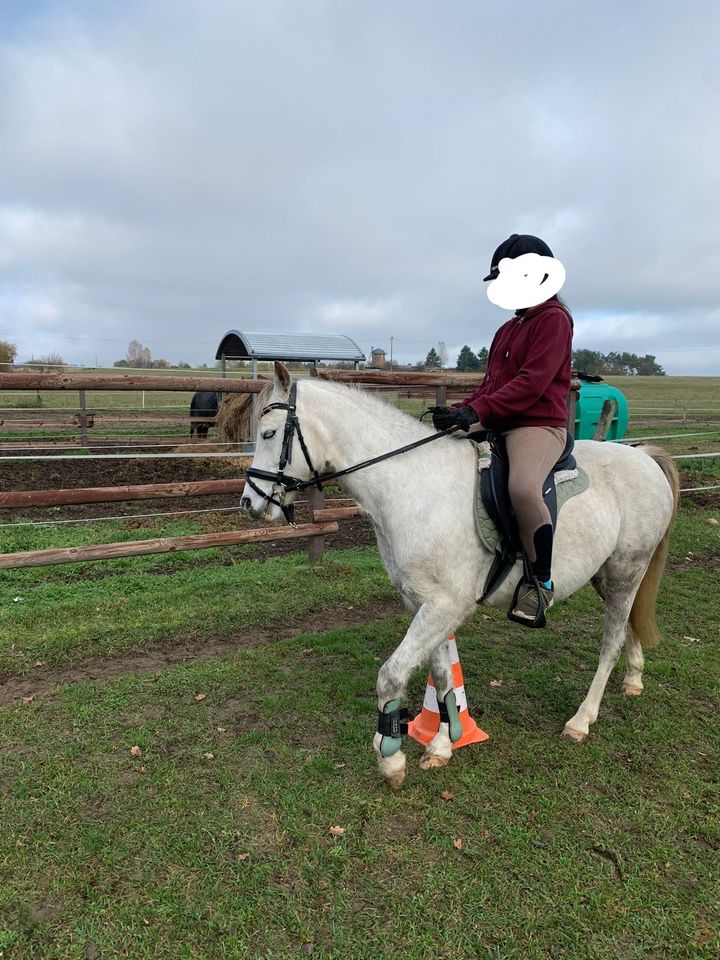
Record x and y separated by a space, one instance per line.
427 723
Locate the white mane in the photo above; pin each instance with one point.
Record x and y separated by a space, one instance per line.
379 411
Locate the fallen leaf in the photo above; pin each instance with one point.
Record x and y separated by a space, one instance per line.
221 729
496 683
486 617
458 843
713 522
28 699
39 663
337 831
691 640
135 752
209 756
18 599
446 795
339 766
242 857
199 696
143 770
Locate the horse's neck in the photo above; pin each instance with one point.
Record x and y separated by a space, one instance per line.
344 434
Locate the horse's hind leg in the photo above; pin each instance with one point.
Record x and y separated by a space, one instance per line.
439 750
635 661
619 589
430 626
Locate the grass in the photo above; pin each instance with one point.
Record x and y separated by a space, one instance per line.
69 611
99 609
215 842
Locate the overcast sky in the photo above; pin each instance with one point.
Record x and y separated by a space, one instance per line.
171 169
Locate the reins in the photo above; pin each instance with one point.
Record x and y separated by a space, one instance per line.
292 484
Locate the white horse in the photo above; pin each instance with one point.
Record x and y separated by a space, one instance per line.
614 534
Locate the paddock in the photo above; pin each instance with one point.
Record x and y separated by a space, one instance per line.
184 764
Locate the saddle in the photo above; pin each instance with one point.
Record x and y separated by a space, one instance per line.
496 500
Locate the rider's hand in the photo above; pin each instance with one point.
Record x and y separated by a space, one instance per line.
446 417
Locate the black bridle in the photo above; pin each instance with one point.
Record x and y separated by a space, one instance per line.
292 484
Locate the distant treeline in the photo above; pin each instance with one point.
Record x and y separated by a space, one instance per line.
588 361
614 364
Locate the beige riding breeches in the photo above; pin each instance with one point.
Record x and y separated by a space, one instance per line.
532 453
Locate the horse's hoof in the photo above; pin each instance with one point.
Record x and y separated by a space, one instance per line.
575 735
631 690
433 761
397 779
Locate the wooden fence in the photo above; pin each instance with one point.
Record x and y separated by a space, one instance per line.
439 386
324 519
86 426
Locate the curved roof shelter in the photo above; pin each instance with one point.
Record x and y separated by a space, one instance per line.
239 345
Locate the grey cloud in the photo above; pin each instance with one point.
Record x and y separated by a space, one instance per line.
169 171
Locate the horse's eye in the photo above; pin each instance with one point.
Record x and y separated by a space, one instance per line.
268 434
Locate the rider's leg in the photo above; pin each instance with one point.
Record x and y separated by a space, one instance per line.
532 453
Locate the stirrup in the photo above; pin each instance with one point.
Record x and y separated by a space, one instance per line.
540 620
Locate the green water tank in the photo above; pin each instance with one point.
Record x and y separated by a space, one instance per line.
589 405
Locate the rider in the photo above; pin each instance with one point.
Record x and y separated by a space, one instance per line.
524 398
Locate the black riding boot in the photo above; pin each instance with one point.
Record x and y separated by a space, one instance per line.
543 541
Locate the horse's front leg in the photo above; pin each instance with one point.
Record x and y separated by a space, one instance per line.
439 750
430 627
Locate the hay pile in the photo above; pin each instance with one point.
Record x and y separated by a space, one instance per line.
233 418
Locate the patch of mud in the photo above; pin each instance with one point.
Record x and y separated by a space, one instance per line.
156 658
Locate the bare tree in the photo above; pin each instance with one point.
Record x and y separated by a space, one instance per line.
50 363
138 355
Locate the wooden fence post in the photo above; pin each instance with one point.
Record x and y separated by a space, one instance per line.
316 545
82 420
609 409
572 406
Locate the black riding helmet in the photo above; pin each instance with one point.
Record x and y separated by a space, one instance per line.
515 246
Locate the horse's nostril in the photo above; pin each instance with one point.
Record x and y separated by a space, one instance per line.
245 503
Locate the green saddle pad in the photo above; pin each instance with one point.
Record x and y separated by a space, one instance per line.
568 483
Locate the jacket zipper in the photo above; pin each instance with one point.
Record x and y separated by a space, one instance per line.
510 342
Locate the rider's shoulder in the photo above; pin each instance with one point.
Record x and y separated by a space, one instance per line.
551 313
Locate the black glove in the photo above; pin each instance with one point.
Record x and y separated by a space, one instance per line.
446 417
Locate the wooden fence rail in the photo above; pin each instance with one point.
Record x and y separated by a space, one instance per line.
89 381
137 548
119 494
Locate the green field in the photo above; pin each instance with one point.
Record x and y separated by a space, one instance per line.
247 683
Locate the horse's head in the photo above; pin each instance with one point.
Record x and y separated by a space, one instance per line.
277 451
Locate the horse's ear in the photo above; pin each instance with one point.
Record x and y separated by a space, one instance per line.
282 378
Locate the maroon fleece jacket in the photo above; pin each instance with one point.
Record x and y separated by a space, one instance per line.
528 374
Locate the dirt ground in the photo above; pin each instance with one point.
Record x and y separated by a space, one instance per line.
189 649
